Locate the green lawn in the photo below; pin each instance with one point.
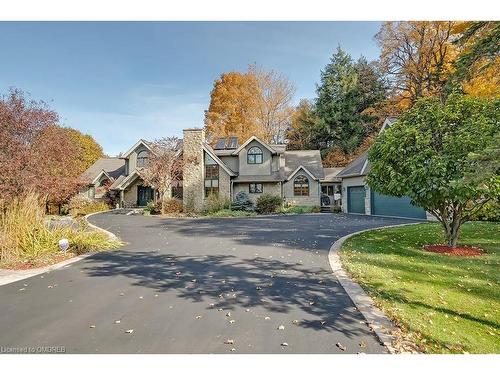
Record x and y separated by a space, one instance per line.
445 304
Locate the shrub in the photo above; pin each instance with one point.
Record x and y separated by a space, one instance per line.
242 202
172 206
489 212
80 205
231 213
299 209
150 208
215 203
336 209
24 236
267 203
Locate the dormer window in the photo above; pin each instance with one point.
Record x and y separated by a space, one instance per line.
142 159
254 155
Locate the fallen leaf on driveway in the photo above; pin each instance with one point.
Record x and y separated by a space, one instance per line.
341 347
284 344
129 331
281 328
22 289
91 326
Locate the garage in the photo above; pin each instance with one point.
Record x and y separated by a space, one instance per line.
356 199
385 205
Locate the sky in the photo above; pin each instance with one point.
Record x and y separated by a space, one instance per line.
122 81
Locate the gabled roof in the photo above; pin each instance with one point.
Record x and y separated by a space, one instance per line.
137 144
357 167
100 174
114 167
331 174
361 165
254 138
308 159
126 180
301 167
211 152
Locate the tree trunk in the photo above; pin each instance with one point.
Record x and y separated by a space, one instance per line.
451 231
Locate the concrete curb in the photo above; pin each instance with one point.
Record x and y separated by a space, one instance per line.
110 235
11 276
381 325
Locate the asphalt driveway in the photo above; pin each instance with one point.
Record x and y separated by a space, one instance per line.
195 286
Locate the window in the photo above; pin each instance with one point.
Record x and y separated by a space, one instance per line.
142 159
255 188
211 179
254 155
177 192
327 190
301 186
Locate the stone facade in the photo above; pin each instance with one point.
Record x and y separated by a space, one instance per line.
130 194
313 199
273 188
224 184
193 179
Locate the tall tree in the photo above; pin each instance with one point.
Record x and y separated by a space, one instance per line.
418 57
274 104
35 153
434 155
88 150
477 67
233 107
346 93
257 102
300 132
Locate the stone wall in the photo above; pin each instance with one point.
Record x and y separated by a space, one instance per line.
313 199
130 194
193 189
273 188
224 184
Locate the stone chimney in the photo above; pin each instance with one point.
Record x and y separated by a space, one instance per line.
193 190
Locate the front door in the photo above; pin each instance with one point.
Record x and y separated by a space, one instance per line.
145 194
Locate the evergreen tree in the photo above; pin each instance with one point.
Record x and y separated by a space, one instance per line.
347 89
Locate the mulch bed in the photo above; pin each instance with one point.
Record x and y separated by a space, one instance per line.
461 251
48 261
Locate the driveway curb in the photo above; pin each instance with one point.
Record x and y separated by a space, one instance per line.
381 325
11 276
110 235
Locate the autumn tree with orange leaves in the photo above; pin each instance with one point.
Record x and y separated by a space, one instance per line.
256 102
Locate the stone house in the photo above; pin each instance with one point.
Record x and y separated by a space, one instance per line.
225 169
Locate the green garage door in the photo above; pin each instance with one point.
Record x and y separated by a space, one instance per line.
356 199
386 205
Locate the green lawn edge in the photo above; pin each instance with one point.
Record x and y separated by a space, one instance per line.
445 304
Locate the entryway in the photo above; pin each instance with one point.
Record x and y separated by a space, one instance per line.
145 194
